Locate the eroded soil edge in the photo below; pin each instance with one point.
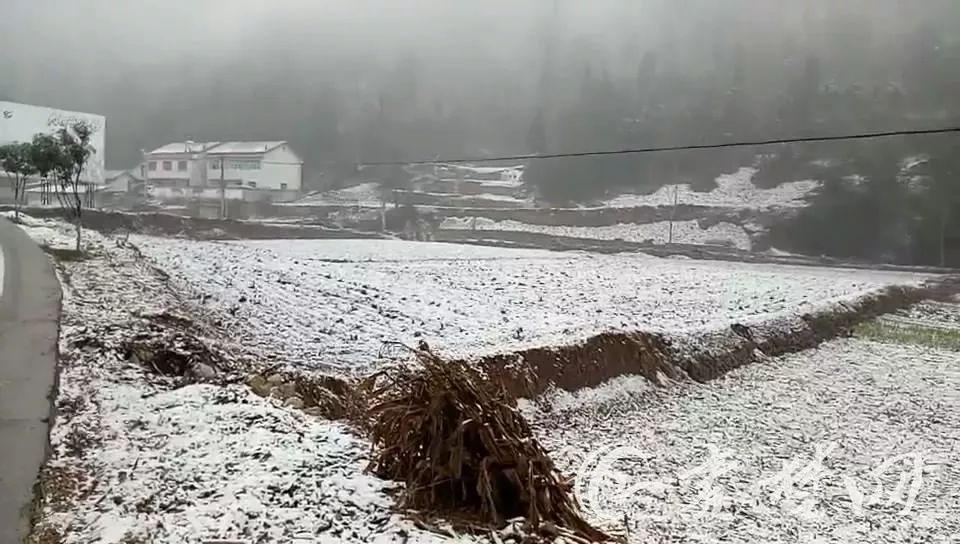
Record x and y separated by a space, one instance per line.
700 357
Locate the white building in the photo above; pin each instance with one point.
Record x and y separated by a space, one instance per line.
248 170
20 122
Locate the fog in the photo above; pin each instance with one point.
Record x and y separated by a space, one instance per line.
354 80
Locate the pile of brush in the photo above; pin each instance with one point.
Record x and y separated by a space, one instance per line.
465 452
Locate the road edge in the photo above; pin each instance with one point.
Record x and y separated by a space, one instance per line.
29 372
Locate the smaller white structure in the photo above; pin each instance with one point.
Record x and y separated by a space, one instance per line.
263 170
51 194
123 181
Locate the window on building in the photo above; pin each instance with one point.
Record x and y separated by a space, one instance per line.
252 184
168 165
215 165
182 166
245 164
152 166
283 186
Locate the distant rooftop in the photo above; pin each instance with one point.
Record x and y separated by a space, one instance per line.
184 147
219 148
112 174
245 147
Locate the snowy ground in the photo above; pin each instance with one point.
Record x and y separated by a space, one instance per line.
138 457
369 195
684 232
733 191
861 402
332 303
365 195
467 197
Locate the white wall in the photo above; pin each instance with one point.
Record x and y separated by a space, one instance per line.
281 165
20 122
277 167
173 173
196 193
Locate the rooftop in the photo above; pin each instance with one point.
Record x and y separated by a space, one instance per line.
219 148
184 147
245 147
112 174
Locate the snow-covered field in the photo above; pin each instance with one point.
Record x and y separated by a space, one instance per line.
136 457
684 232
332 303
140 458
733 191
733 460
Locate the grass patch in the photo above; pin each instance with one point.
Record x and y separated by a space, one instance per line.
906 333
66 255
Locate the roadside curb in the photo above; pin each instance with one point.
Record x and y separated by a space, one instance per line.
29 328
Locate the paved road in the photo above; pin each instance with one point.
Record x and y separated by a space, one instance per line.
29 313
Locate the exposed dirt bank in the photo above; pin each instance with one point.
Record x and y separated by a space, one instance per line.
110 222
582 217
700 357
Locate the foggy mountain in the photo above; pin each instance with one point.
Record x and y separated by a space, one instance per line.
368 80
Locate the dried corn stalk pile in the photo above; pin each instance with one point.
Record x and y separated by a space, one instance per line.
464 451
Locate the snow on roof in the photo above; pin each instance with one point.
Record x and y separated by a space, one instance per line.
245 147
113 174
484 169
219 148
183 147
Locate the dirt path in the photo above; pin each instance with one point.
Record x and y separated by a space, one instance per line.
861 402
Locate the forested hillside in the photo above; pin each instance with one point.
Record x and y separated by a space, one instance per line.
498 77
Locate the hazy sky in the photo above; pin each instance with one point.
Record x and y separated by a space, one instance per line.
108 35
153 63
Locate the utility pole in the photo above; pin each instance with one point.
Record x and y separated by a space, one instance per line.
223 190
944 221
676 197
144 173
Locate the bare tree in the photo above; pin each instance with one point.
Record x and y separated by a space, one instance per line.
16 161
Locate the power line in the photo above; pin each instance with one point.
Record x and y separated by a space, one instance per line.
754 143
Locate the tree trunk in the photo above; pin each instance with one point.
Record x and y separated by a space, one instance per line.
77 208
17 192
78 225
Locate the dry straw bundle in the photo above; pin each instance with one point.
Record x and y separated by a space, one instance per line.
457 440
